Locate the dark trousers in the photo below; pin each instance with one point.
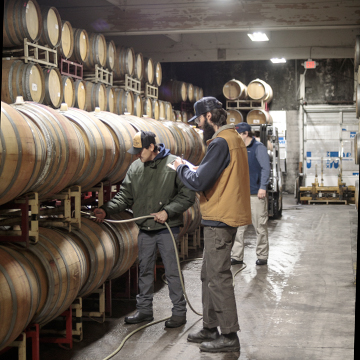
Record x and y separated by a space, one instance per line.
148 242
219 306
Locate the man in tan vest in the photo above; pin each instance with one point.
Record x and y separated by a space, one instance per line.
222 179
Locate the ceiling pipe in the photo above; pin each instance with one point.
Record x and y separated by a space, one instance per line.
227 30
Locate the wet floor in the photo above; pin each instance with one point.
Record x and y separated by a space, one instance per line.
300 306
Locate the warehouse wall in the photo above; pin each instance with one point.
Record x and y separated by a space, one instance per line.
332 82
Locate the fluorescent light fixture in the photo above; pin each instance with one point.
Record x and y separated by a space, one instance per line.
258 36
278 61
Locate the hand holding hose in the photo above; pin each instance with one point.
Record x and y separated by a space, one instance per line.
100 214
160 216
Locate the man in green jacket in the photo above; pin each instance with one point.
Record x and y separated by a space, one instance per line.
151 187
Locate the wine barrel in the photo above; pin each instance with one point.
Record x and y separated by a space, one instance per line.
155 109
99 251
198 93
66 46
191 218
178 114
53 87
138 105
139 66
59 261
58 144
68 91
256 117
110 55
19 294
122 133
148 70
190 92
95 96
126 242
124 101
173 115
234 89
52 27
20 159
80 94
161 110
234 116
173 91
260 90
110 99
179 138
168 111
97 52
124 62
99 149
147 107
158 74
22 19
19 79
81 46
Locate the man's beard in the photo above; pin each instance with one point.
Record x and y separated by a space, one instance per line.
208 132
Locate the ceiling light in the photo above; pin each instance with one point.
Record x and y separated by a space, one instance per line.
258 36
278 61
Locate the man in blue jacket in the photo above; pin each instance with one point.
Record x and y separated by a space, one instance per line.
259 170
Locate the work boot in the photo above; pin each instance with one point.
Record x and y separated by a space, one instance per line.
224 343
175 321
236 262
261 262
204 334
138 317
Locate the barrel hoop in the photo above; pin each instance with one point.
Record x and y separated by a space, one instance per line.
93 258
25 32
19 33
49 164
26 77
105 257
29 281
93 153
18 90
10 80
49 273
52 273
14 302
19 157
60 147
6 24
66 267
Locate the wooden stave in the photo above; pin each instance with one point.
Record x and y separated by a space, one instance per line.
52 74
80 94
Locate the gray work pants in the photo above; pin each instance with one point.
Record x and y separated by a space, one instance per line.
148 242
219 306
259 218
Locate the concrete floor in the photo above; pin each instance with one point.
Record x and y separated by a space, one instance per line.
300 306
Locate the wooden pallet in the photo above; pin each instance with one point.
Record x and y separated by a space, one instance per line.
246 105
327 201
151 91
101 75
129 84
32 52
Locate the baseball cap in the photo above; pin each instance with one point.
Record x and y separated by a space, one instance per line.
242 127
142 139
204 105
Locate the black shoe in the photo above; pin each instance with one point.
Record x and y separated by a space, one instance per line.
204 335
175 321
224 343
236 262
138 317
261 262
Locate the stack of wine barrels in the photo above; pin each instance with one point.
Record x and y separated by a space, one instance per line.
257 90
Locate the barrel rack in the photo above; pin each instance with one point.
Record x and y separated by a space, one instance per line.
101 75
33 52
71 68
246 105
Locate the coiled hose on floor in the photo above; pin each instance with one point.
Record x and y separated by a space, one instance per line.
180 275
